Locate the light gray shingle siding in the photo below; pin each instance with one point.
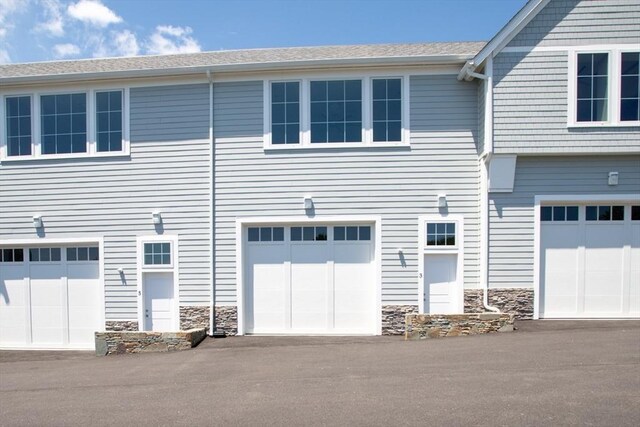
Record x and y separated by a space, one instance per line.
570 22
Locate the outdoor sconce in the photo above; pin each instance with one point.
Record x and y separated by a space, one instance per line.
442 200
37 221
157 218
308 202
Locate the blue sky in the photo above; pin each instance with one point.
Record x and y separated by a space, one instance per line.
41 30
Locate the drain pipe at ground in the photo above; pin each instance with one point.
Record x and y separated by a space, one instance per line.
484 232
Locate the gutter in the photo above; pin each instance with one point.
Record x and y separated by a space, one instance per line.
485 159
241 67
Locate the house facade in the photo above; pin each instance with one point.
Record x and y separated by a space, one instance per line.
325 190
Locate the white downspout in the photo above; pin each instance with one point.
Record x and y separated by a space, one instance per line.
485 158
211 208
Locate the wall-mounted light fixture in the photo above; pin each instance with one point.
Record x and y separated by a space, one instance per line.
157 218
613 178
308 202
37 221
442 200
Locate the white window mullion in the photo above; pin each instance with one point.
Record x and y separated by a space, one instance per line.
91 122
367 111
305 119
37 129
615 69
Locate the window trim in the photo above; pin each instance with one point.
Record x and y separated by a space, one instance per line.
614 86
155 267
426 220
36 131
305 112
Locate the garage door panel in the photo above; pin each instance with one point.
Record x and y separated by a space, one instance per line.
309 286
353 286
83 292
13 305
266 299
634 273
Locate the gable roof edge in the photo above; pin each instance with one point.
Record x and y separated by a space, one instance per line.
503 37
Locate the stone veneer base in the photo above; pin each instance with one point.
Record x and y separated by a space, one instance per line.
423 326
226 319
146 342
121 325
517 301
192 317
393 318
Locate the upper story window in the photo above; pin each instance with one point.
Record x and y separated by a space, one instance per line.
63 123
109 121
71 124
604 88
332 112
387 110
285 112
18 112
630 87
336 111
593 76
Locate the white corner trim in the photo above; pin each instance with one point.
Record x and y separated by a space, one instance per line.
241 223
563 198
457 250
141 270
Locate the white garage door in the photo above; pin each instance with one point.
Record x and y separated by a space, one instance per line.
590 261
310 280
49 297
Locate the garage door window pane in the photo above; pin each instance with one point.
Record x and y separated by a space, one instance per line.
352 233
308 233
83 254
635 213
72 254
296 234
339 233
254 234
265 234
278 234
592 213
34 255
93 254
617 213
558 213
55 254
572 213
11 255
604 213
546 213
364 233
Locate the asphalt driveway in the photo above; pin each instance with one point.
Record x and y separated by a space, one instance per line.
547 373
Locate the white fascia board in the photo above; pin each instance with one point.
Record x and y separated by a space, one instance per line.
268 66
504 36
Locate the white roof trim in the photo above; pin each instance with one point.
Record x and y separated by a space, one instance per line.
504 36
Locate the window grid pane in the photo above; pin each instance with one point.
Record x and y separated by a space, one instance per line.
63 123
592 87
387 110
157 253
285 113
441 234
12 255
18 122
336 111
630 87
109 121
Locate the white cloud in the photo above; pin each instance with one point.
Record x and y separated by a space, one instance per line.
125 43
168 39
4 57
93 12
54 25
66 49
8 8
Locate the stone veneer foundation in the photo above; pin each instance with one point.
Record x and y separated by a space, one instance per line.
393 318
194 317
422 326
121 325
517 301
226 319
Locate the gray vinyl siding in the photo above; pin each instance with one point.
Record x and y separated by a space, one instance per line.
114 198
397 184
582 22
530 110
511 230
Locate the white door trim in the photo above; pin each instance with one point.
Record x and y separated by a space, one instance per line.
564 198
173 268
284 220
52 241
458 250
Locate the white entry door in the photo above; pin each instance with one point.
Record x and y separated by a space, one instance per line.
440 283
159 308
310 280
589 261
